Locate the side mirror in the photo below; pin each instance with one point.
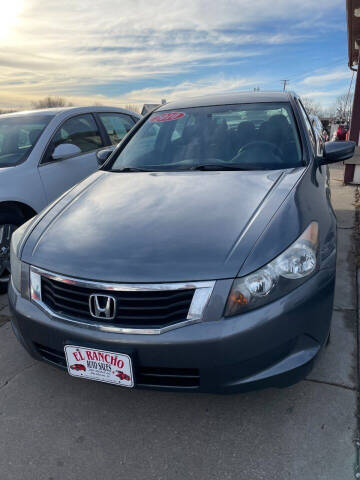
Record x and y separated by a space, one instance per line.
65 150
337 152
103 155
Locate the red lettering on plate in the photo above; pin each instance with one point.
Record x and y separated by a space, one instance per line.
89 355
166 117
101 357
78 356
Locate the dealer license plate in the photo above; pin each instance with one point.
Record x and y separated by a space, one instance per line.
99 365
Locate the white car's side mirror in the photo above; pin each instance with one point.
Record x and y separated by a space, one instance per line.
65 150
103 155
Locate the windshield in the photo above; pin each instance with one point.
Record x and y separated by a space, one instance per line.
258 136
18 136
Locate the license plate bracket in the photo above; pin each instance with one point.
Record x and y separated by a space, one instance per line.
99 365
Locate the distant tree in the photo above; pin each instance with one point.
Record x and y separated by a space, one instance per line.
133 107
6 110
51 102
342 108
312 107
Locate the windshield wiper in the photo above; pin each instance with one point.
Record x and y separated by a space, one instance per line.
212 166
131 169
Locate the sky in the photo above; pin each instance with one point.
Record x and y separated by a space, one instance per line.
118 52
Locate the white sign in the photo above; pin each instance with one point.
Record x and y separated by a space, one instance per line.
99 365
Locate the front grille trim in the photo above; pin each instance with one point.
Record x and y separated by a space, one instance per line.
200 299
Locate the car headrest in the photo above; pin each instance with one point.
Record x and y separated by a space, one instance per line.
280 121
276 129
189 132
34 135
246 129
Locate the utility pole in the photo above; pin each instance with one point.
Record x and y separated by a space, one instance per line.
284 82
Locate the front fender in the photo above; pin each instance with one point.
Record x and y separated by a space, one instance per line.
22 185
307 202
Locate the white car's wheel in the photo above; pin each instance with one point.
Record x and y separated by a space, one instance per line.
9 222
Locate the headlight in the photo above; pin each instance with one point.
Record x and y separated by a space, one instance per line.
279 277
19 270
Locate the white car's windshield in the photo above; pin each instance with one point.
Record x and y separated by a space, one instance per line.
229 137
18 136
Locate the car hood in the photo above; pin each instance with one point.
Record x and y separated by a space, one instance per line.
157 227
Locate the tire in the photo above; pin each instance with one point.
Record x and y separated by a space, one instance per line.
10 219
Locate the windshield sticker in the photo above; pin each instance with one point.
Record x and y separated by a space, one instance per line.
167 117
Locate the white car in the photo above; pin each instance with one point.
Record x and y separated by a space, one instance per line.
45 152
318 126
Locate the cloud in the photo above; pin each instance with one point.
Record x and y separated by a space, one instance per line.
329 77
206 86
190 89
325 98
320 93
77 48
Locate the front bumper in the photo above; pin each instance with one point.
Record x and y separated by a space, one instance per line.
273 346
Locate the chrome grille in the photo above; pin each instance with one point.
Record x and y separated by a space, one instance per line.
154 308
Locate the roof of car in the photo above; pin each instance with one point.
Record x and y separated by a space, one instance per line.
57 110
228 99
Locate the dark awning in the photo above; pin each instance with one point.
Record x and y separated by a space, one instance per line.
353 25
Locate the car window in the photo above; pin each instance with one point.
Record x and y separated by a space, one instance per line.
18 136
116 125
81 131
147 143
248 136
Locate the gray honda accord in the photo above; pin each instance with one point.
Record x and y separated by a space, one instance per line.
200 256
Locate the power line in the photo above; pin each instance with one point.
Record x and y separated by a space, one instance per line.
284 82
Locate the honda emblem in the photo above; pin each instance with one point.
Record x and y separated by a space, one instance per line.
102 306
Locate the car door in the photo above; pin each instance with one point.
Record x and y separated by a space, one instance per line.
116 125
61 174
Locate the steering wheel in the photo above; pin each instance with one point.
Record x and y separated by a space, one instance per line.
255 144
